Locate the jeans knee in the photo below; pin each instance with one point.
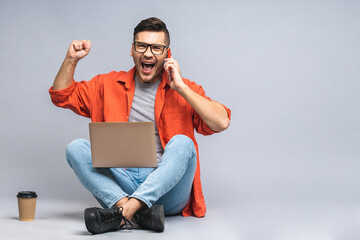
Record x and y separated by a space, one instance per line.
75 148
185 142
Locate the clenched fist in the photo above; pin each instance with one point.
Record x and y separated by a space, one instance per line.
78 49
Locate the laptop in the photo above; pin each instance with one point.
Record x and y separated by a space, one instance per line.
123 144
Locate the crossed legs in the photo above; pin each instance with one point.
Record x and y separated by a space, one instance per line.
169 184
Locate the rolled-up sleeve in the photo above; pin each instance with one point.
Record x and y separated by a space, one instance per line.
199 124
78 96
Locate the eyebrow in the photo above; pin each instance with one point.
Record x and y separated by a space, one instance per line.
152 43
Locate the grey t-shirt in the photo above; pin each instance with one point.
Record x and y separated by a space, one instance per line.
143 108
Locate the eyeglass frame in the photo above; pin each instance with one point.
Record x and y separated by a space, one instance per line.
147 46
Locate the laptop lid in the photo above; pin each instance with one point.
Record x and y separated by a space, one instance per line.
123 144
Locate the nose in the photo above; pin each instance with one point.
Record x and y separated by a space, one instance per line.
148 52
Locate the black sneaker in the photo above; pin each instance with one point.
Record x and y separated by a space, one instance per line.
151 218
98 220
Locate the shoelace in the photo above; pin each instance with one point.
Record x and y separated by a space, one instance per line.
111 216
128 224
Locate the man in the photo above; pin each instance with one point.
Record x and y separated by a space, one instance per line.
177 106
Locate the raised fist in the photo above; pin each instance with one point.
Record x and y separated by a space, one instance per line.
78 49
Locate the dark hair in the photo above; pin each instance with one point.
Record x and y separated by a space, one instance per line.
153 24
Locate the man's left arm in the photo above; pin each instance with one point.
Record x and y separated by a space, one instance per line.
212 113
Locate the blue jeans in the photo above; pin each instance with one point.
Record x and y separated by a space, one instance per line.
169 184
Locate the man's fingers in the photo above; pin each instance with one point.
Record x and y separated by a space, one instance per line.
173 64
81 45
87 45
79 49
78 45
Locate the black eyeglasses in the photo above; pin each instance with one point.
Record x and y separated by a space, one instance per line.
156 49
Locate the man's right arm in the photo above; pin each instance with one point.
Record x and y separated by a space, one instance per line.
76 51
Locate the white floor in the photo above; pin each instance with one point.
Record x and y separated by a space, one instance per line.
254 221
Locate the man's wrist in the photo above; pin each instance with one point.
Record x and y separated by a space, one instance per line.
182 89
71 61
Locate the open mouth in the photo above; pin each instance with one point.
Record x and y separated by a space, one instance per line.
147 67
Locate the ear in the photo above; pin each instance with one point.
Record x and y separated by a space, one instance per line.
132 49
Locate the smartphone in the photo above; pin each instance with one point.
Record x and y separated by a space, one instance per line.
168 71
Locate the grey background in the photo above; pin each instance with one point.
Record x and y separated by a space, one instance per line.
288 70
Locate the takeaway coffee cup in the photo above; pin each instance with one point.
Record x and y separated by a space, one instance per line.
27 205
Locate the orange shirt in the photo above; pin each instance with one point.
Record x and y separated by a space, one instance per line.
108 98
